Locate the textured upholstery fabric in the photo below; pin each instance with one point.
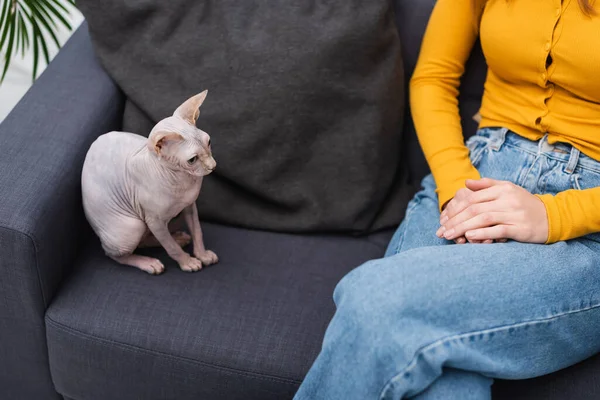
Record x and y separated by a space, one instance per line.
43 142
304 106
247 328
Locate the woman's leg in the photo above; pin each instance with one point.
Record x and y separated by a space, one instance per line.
418 230
437 321
510 311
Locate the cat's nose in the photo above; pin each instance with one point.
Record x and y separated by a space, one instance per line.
210 164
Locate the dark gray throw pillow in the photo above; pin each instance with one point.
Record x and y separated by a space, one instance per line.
305 103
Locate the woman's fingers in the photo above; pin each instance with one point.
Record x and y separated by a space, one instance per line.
485 195
469 213
489 210
473 207
496 232
483 220
456 205
466 199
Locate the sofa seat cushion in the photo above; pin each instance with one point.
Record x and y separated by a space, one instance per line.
246 328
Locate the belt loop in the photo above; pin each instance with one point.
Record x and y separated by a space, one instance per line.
573 160
543 145
499 139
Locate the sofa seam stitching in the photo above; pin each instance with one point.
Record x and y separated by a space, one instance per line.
176 357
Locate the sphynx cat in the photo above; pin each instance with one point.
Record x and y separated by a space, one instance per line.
133 187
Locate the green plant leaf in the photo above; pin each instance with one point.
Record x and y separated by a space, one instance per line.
59 4
11 41
36 56
37 12
41 8
44 46
58 14
4 13
5 19
21 32
24 32
38 39
20 35
30 24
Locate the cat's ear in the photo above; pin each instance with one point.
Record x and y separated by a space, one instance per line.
158 141
190 109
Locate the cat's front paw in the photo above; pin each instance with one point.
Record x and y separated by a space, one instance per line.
207 257
191 265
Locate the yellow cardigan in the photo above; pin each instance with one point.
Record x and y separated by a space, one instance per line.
520 93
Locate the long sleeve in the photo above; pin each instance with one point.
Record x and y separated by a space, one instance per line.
446 46
572 213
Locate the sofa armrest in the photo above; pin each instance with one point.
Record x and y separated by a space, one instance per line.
43 143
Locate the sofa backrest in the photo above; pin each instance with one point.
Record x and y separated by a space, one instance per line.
304 102
412 17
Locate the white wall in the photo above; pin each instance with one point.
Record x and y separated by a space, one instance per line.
19 75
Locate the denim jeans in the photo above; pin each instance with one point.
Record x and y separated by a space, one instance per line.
436 320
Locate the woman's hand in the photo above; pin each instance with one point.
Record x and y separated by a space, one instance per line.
494 210
461 240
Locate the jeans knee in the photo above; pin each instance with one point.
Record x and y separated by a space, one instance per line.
367 295
390 289
353 295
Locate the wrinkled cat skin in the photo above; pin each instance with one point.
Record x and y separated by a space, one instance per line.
133 187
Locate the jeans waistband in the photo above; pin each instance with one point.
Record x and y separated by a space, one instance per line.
570 155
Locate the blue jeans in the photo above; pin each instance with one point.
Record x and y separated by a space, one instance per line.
435 320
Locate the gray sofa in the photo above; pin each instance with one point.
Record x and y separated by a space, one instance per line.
75 325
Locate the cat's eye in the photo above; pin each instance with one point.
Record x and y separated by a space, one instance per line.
192 160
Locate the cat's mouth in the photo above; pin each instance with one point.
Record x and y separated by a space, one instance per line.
203 172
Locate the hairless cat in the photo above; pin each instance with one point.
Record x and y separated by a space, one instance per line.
133 187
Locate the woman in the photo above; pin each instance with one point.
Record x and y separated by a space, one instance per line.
435 320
